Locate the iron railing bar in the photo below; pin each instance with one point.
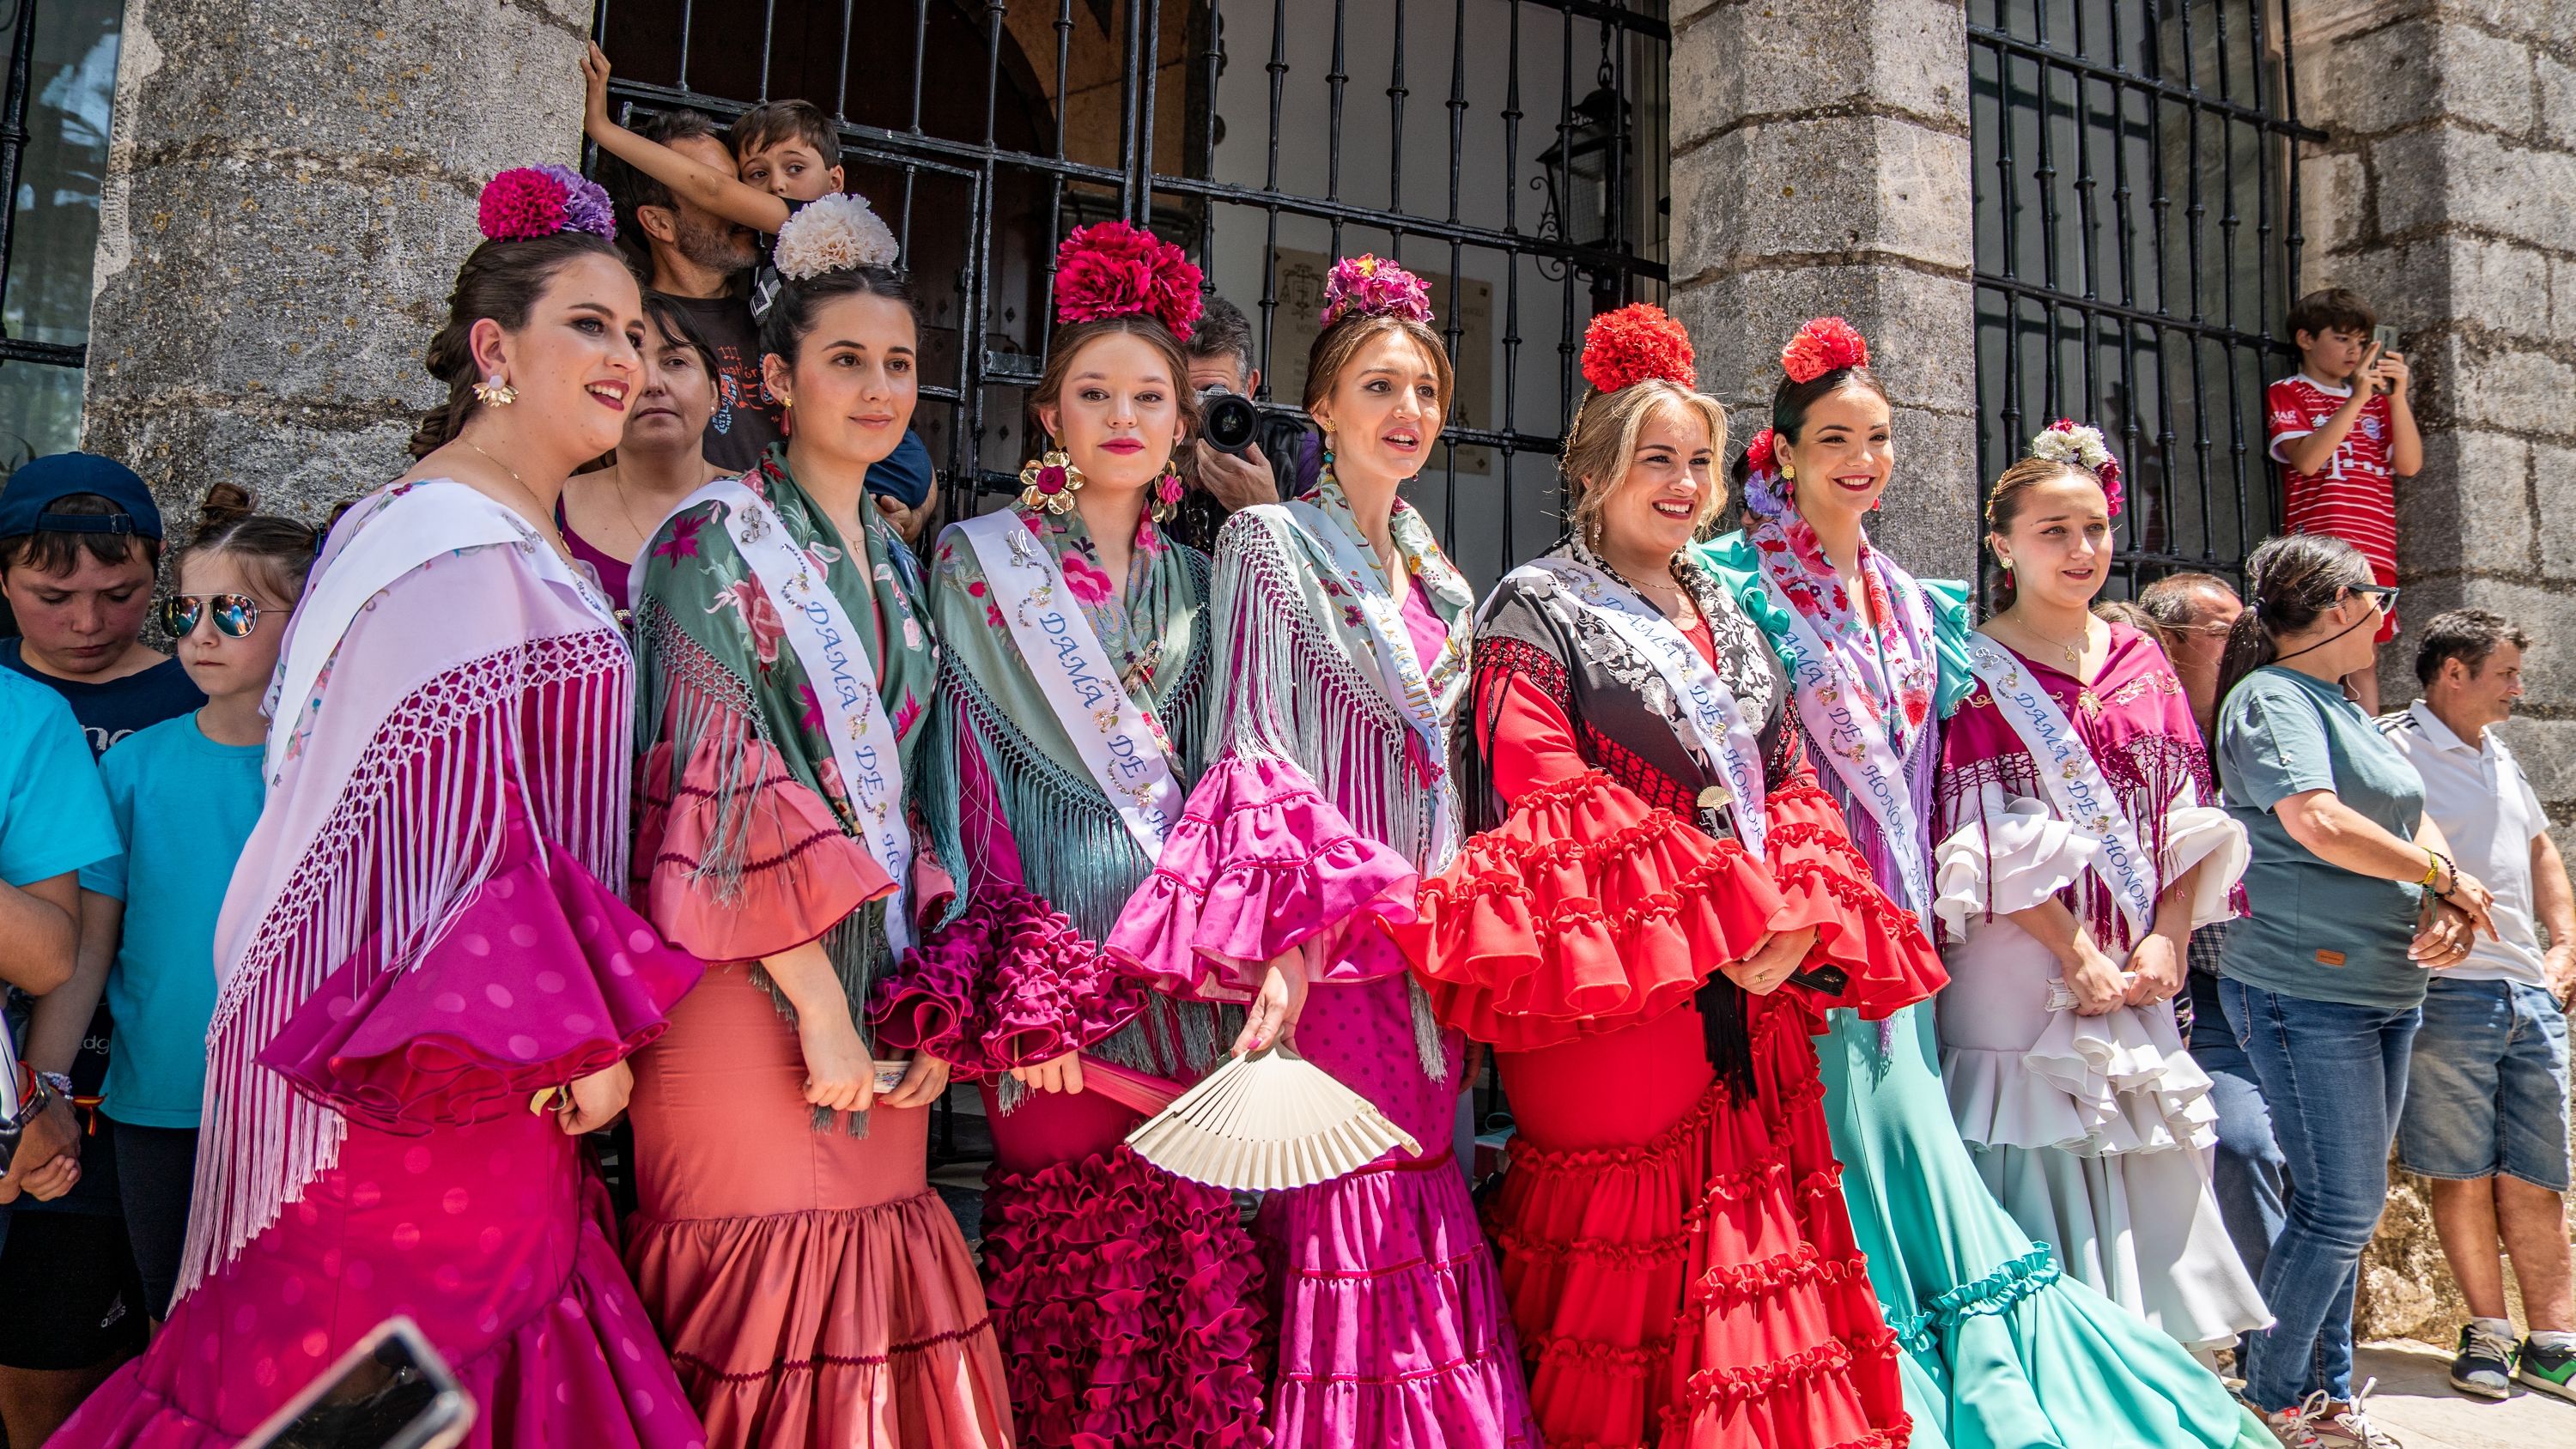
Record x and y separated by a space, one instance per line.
768 39
841 97
1055 183
688 21
2218 332
13 144
1458 108
1396 91
1278 71
49 354
920 43
1148 64
1429 227
2186 95
1207 162
2011 231
1334 80
2044 176
1616 15
1127 134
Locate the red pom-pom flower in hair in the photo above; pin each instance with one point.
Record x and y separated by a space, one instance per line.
1826 344
1371 286
1635 344
1111 269
1757 454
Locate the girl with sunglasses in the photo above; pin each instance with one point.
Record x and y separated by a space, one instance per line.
185 794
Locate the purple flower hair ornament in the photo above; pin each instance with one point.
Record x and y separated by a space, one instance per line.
529 202
1372 286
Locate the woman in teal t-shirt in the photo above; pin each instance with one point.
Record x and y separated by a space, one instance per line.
186 794
2354 899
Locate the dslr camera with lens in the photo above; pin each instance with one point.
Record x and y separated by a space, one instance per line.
1227 420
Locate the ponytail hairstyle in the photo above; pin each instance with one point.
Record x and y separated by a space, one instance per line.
279 550
1826 356
2065 448
831 248
1112 279
1637 362
536 221
2289 583
1367 297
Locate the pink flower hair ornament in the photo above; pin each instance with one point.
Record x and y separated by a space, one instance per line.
2079 445
1637 343
1111 269
1371 286
1823 345
529 202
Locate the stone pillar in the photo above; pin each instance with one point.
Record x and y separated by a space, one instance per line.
290 187
1820 166
2441 196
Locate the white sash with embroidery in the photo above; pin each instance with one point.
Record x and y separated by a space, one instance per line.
2072 778
835 660
438 516
1401 675
1858 749
1711 724
1065 656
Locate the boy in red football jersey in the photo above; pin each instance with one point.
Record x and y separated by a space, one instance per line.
2343 431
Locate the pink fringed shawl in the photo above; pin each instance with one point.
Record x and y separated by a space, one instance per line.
478 671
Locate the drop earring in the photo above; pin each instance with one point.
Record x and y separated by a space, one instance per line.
1167 491
496 391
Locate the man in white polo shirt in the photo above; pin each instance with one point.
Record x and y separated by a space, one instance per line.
2486 1096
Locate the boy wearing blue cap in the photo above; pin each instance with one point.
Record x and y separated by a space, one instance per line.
80 549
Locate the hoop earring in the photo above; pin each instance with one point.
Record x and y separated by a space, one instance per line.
1049 482
1167 491
496 391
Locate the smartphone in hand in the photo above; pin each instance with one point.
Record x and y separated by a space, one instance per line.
2383 341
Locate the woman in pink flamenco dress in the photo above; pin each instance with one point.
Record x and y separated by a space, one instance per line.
1341 635
810 1284
1127 1299
418 940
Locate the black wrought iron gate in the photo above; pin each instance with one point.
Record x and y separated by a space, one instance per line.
985 131
2137 185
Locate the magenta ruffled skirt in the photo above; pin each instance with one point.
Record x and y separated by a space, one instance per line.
479 1234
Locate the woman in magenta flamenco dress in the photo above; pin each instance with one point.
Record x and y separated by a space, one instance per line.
1341 638
418 940
1127 1299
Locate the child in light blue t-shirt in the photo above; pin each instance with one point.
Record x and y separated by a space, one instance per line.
186 794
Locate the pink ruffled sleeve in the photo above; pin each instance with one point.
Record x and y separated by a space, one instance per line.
1008 984
1261 863
741 861
542 976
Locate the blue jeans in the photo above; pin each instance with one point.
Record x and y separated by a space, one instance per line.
2249 1177
2490 1086
2335 1078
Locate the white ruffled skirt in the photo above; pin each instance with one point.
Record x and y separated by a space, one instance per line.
2094 1132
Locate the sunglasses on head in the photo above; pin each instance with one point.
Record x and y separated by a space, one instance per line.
235 615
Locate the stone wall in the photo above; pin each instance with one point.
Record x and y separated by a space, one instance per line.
2442 196
290 187
1820 166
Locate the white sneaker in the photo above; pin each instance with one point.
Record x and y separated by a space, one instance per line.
2350 1428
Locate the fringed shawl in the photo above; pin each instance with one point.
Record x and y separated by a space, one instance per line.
719 680
1294 683
479 673
1058 836
2136 721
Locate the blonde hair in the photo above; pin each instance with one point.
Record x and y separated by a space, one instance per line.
1336 345
1604 437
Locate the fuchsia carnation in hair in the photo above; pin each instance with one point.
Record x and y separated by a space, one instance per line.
1635 344
1372 286
1111 269
529 202
1826 344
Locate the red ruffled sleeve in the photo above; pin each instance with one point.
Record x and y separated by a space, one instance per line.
790 873
542 976
1008 984
1587 910
1826 884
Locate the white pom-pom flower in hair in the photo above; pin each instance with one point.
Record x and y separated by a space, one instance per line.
833 234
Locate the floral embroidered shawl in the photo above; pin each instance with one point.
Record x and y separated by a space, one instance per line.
713 657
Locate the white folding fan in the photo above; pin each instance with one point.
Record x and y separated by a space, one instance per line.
1264 1121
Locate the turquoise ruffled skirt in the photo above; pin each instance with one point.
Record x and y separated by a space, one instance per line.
2001 1351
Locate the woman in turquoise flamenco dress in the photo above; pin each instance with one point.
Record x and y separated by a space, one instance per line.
2002 1352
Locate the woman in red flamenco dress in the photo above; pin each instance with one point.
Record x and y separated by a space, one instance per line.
1660 864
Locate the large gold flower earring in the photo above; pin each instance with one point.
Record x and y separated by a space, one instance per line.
1167 491
1050 481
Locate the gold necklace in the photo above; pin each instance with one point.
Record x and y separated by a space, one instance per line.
1669 586
531 495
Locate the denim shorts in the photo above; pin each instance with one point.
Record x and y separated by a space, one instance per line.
2488 1091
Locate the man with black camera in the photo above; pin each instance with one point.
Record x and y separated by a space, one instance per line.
1228 467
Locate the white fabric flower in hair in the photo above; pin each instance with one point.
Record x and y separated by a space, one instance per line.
833 234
